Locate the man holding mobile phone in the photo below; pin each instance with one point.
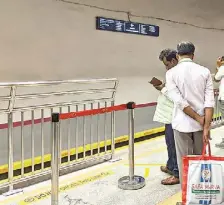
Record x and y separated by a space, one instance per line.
219 77
163 114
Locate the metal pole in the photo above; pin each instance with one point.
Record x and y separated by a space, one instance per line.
10 150
10 137
55 159
113 122
131 142
131 182
112 131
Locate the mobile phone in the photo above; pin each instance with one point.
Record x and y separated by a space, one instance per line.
155 81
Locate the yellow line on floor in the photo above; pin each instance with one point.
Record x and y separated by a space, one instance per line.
21 198
47 158
172 200
147 171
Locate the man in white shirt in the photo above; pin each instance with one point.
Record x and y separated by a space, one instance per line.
219 77
190 87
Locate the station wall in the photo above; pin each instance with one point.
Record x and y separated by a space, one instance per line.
55 39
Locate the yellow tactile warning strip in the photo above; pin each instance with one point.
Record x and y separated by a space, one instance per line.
47 158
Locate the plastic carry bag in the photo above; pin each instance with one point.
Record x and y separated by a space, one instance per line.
203 179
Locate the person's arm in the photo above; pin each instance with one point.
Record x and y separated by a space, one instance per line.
190 112
219 70
208 117
164 91
209 108
215 78
219 74
162 88
175 95
209 101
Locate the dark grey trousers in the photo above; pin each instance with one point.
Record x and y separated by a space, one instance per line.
187 144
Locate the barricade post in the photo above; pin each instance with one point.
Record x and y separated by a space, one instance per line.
55 159
131 182
10 151
10 138
112 130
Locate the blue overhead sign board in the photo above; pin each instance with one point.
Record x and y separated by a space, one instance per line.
108 24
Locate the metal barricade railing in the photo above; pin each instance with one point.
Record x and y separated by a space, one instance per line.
27 108
131 182
80 133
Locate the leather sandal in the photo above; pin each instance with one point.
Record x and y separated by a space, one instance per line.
170 181
166 170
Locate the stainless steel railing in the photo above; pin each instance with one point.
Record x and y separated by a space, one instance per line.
28 106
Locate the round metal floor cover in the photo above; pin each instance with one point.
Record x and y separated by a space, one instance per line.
125 183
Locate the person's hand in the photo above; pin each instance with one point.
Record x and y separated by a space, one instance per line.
206 135
159 87
219 62
201 120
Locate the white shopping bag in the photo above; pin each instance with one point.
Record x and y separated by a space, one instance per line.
203 179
